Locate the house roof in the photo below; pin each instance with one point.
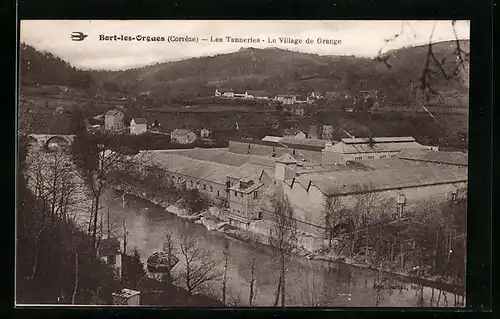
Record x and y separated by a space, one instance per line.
451 158
362 145
179 131
140 120
366 140
341 183
286 159
301 142
210 171
222 156
247 170
113 112
109 247
291 131
270 138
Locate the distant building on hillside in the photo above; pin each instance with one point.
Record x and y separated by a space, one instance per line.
183 136
224 92
256 95
205 133
294 133
138 126
285 98
113 120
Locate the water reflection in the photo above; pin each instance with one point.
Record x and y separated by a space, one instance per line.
308 282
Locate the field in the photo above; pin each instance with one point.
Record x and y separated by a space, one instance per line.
213 108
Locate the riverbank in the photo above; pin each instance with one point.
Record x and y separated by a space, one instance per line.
213 220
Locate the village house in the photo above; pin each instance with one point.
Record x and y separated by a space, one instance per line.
294 133
205 133
285 98
109 251
113 120
138 126
224 93
316 95
182 136
256 95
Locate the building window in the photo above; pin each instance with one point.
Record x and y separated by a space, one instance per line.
393 156
371 157
218 194
211 188
235 193
383 156
204 187
192 184
255 195
248 146
358 158
260 215
293 152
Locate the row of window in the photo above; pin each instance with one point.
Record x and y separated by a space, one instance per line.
204 186
255 194
358 158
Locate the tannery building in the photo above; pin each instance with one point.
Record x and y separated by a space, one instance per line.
410 177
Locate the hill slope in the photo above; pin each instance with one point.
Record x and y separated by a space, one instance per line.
273 70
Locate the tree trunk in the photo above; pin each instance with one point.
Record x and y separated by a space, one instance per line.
435 251
125 234
94 230
224 280
75 289
402 258
276 299
252 281
283 280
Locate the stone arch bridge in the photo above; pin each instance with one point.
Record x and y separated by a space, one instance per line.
44 140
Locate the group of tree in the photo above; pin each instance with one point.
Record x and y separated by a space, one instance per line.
429 241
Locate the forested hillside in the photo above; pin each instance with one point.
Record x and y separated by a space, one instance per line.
397 76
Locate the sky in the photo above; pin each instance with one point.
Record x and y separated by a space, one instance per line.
359 38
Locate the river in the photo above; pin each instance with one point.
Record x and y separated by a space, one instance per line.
308 282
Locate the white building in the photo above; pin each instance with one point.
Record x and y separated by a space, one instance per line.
138 126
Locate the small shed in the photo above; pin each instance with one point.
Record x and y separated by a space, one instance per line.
127 297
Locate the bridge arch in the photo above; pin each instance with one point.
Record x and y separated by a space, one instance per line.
57 141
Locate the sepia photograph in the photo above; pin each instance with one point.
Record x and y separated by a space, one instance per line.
242 163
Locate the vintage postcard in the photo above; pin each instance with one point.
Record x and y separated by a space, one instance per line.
191 163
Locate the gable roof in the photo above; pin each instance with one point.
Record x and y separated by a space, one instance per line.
286 159
347 182
191 168
113 112
179 131
250 170
451 158
379 144
140 120
270 138
222 156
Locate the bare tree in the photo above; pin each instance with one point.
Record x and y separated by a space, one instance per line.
224 278
370 207
169 249
335 215
199 266
253 272
283 238
97 163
